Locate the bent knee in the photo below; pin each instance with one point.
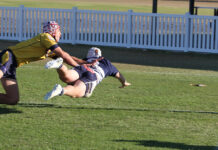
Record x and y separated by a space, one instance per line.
77 95
65 79
13 101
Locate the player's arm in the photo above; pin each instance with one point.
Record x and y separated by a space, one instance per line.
66 57
122 80
113 71
79 61
51 54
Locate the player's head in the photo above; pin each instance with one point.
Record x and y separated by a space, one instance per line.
53 29
94 52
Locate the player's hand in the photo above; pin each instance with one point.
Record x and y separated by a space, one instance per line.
125 84
93 63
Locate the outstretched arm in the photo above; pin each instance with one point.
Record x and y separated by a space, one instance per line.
67 58
81 61
122 80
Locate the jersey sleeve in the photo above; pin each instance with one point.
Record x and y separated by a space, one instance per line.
48 41
112 70
51 54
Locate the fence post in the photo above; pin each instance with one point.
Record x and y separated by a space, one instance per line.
216 34
187 32
73 33
129 32
20 31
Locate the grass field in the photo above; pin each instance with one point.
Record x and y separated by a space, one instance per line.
164 6
159 111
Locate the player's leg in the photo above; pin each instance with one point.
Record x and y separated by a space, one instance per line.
54 64
1 74
11 96
67 75
81 88
76 90
8 78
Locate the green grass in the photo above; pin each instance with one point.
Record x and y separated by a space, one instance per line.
159 111
103 5
122 5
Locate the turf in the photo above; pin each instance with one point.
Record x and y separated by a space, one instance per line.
164 6
161 110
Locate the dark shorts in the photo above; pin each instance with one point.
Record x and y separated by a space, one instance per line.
8 64
88 77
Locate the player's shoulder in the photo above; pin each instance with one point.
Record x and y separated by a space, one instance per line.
46 36
105 60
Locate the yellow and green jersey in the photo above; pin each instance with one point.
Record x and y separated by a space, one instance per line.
33 49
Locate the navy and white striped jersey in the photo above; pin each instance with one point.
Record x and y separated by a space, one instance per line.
103 68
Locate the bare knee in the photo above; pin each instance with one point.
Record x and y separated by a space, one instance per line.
74 92
65 79
77 95
13 101
11 89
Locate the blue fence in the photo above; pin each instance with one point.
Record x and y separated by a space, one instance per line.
122 29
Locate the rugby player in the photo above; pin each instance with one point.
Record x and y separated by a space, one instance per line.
83 79
36 48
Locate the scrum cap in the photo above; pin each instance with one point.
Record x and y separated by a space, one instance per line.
94 52
50 27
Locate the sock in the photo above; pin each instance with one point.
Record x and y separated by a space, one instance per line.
62 92
60 66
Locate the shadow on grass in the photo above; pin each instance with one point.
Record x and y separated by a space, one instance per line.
144 109
161 144
37 105
8 111
110 108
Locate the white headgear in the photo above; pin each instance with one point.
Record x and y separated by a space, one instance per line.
50 27
94 52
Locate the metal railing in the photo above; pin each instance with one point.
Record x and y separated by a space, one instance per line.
111 28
